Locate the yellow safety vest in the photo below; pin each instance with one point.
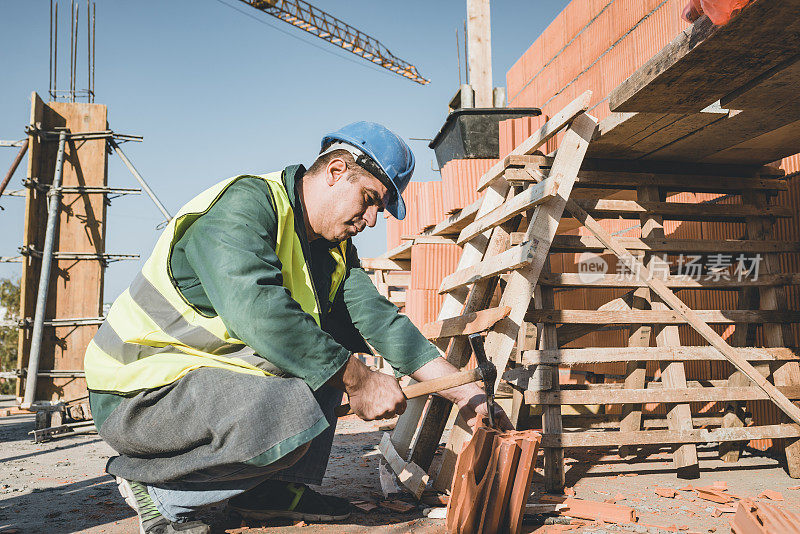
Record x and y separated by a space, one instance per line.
152 336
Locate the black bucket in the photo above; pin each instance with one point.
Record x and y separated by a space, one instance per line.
473 133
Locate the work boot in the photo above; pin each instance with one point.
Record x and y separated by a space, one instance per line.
275 499
150 519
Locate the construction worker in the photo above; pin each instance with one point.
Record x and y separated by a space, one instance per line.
222 363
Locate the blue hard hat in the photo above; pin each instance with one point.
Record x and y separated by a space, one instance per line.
392 161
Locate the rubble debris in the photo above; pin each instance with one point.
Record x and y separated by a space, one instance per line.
666 492
772 495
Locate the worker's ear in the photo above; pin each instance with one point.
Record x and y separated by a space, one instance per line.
335 171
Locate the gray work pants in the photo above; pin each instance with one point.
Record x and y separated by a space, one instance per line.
192 443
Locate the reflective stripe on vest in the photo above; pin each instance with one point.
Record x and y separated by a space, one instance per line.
152 336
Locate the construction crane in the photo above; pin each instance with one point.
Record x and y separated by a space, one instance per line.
325 26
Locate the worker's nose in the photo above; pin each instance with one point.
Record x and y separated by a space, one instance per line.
371 216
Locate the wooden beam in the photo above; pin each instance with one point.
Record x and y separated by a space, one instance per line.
466 324
570 357
612 209
540 137
479 54
574 243
667 396
385 264
527 199
694 183
686 313
454 223
660 437
694 69
674 282
664 317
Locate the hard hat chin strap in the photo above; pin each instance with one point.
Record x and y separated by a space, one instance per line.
364 161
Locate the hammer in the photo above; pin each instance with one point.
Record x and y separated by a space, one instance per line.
486 372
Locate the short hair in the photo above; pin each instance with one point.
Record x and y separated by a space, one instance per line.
322 162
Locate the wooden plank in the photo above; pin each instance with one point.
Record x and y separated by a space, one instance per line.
738 128
466 324
665 395
674 282
511 259
570 357
551 415
400 252
694 69
635 369
540 137
689 315
694 183
632 138
454 223
527 199
573 243
778 84
479 58
677 210
76 288
661 317
658 437
769 146
673 374
424 239
385 264
411 476
33 233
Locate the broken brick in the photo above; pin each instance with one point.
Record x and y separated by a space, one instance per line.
772 495
666 492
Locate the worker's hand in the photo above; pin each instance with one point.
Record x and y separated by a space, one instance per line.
472 407
373 395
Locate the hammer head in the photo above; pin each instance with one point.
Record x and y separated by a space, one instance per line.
488 373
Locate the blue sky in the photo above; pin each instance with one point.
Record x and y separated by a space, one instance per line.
219 89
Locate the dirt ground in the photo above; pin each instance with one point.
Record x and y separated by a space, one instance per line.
60 486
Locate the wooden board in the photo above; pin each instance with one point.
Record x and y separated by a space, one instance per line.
569 357
574 243
664 317
463 325
674 282
634 135
660 437
697 67
630 209
668 396
767 91
76 287
705 144
693 183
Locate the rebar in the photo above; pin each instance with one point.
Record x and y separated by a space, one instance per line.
54 198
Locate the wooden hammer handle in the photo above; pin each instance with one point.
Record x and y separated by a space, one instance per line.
429 386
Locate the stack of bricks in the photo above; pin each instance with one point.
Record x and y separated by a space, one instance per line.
492 482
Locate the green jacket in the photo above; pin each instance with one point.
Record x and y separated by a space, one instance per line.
225 265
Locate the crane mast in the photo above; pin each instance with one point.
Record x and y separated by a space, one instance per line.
325 26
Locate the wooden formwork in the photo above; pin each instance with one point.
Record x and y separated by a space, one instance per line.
76 285
528 342
652 326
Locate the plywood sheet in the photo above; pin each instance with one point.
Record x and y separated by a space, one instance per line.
76 287
705 62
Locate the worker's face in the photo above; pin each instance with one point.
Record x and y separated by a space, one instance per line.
357 199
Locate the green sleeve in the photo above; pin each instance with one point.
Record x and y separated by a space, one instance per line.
379 321
231 249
